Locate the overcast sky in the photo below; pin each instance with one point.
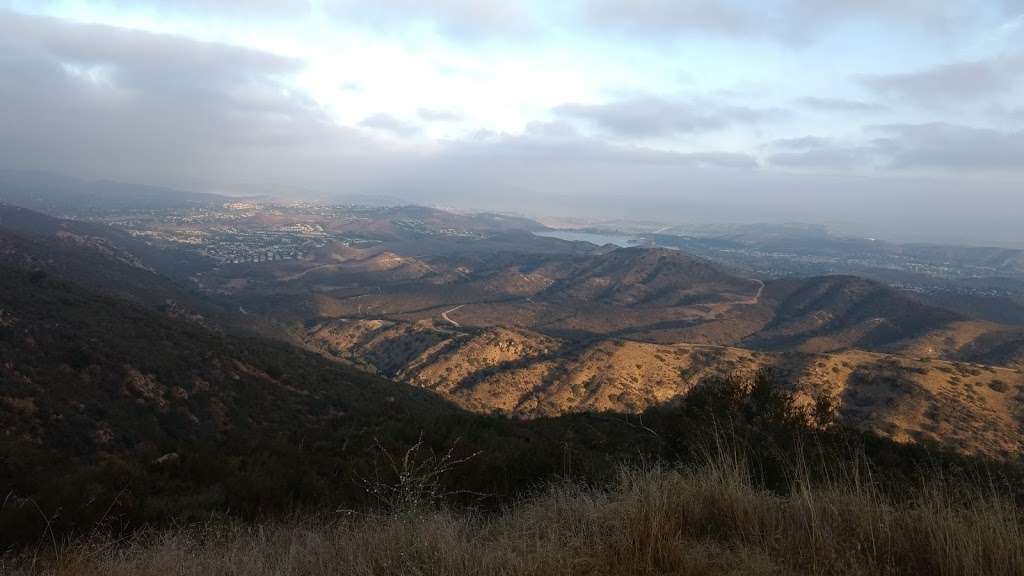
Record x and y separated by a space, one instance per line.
897 118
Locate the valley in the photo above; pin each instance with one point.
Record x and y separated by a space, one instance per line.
163 381
597 328
481 311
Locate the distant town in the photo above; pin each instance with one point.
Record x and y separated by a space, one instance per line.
253 232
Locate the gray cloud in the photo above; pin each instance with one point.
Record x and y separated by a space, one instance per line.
1004 113
652 117
721 159
461 19
802 143
560 143
95 100
274 7
952 147
839 105
1013 28
957 81
98 101
389 123
233 8
899 147
814 152
431 115
669 16
787 20
936 15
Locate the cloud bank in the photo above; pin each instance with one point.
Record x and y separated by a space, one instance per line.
109 102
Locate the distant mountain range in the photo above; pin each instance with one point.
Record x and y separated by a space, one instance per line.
57 194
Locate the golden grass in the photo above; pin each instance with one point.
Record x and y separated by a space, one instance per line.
702 520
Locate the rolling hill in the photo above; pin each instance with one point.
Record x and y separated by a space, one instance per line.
836 312
521 373
114 243
650 277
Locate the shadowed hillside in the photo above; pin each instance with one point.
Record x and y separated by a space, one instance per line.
95 390
103 269
835 312
649 277
107 240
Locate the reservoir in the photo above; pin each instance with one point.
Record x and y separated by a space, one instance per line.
597 238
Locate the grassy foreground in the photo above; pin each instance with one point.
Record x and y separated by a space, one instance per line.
707 519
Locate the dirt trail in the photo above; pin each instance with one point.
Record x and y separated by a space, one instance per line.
449 320
757 297
302 274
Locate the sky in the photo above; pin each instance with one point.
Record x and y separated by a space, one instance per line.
902 120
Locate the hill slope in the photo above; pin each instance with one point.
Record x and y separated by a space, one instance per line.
100 269
975 409
95 390
834 312
650 277
114 243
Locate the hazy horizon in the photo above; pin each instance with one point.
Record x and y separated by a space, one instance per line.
896 120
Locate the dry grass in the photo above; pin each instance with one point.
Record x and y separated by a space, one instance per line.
904 398
704 520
